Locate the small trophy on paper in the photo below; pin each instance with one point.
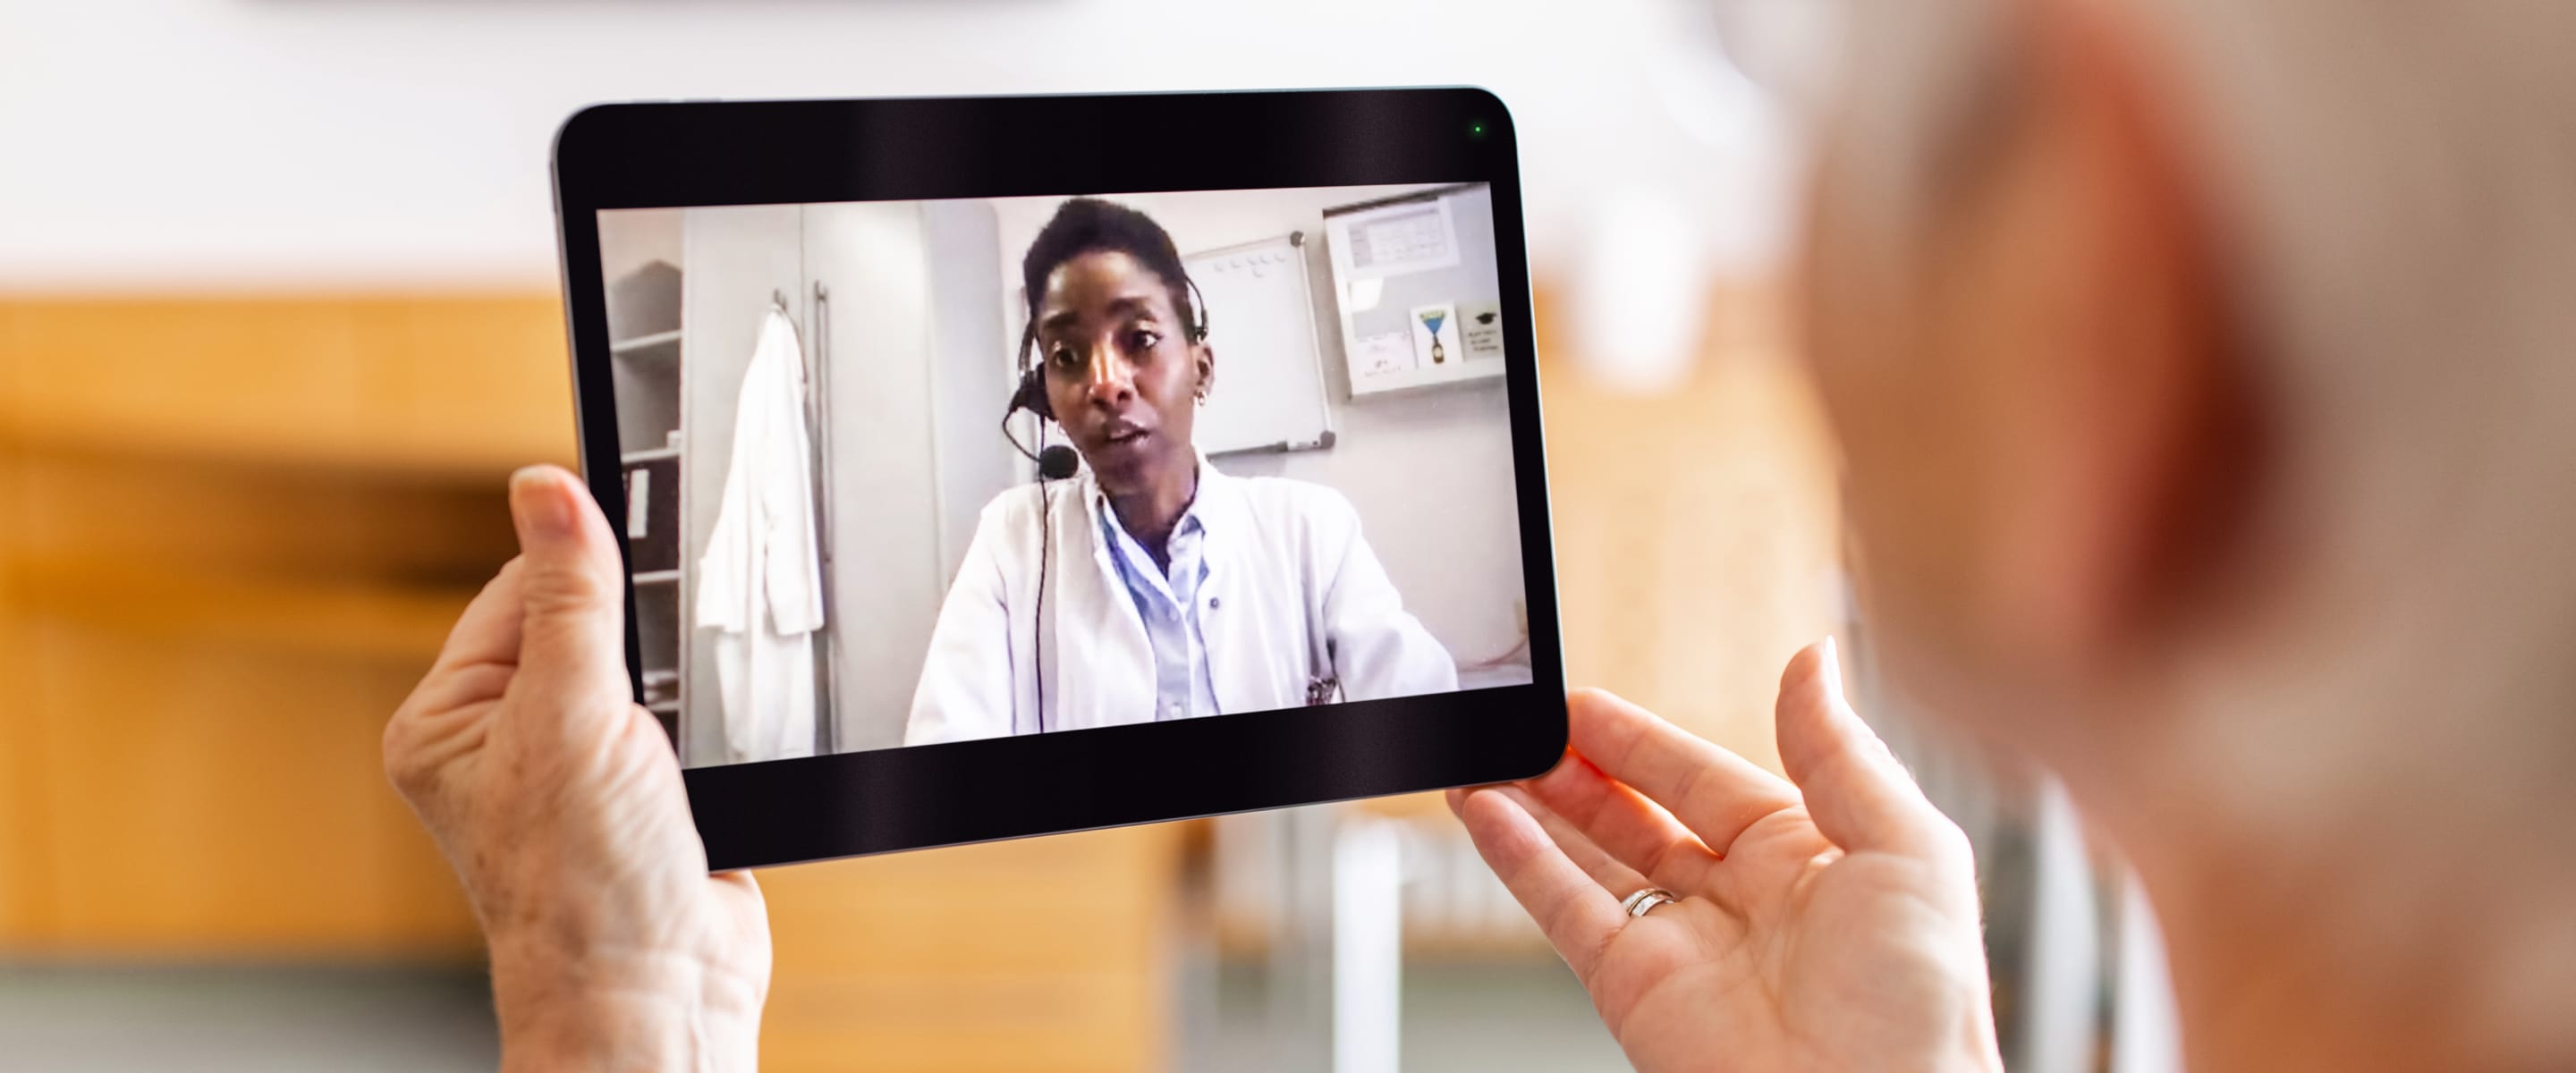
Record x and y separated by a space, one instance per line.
1433 319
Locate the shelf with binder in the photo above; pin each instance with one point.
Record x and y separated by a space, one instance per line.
645 355
657 634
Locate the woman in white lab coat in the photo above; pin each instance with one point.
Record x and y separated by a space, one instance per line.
1149 585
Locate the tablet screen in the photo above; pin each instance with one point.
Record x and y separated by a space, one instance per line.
908 472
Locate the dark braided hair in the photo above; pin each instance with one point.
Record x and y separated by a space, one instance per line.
1089 225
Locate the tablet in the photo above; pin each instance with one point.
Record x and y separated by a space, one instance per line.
1001 466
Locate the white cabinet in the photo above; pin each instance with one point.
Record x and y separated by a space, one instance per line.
907 364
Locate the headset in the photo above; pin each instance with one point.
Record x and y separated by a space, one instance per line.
1058 462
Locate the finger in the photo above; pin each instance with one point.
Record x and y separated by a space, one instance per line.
1713 792
572 640
1577 915
481 653
1638 832
488 631
472 666
1613 875
1859 796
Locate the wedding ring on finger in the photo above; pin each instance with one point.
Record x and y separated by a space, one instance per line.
1644 901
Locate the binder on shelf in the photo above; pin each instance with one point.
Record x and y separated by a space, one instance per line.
653 512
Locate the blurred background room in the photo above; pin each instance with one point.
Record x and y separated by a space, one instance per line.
278 315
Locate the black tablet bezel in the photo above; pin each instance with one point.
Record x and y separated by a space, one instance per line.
657 155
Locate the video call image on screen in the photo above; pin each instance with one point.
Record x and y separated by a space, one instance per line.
899 473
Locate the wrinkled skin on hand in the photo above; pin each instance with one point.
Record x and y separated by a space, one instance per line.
559 802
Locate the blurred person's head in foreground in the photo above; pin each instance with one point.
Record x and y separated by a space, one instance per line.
2206 373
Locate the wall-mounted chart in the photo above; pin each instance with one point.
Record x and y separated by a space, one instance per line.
1415 285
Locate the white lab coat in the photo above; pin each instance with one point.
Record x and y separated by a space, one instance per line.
760 583
1292 595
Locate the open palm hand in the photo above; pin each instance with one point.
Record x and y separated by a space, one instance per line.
1828 922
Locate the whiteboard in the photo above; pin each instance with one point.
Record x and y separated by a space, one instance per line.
1269 393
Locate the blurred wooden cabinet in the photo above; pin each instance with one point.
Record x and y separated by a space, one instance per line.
1698 529
1047 954
234 531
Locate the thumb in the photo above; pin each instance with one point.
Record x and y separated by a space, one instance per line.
572 639
1857 793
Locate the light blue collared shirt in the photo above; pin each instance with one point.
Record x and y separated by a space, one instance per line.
1168 601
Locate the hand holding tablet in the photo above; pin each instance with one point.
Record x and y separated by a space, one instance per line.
552 794
948 441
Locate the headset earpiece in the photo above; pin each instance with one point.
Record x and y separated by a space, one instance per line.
1032 395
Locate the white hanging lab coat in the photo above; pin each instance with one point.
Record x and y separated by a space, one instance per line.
1293 597
760 583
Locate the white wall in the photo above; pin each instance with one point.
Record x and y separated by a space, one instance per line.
888 573
1429 471
970 369
1198 220
259 144
1431 475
